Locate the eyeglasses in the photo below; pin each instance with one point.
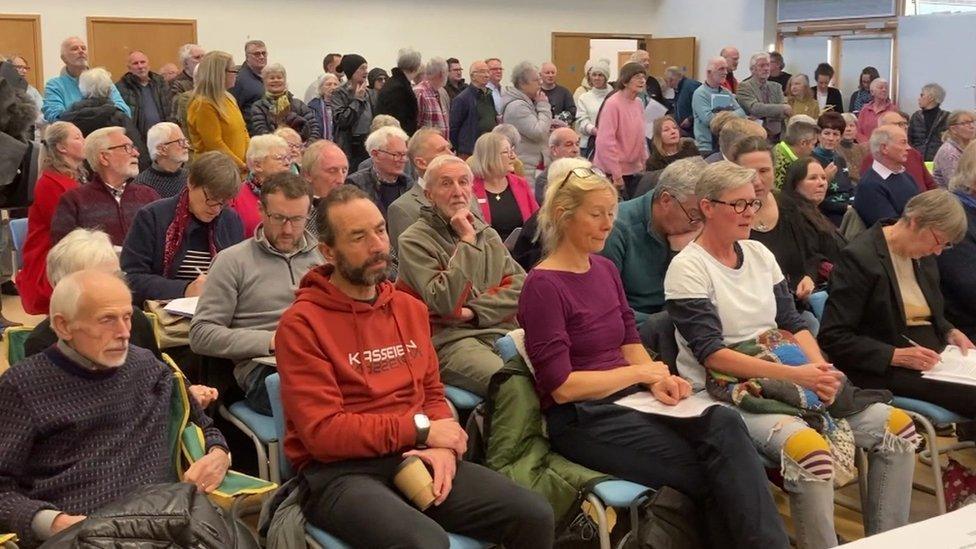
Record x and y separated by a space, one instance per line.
943 245
295 220
741 205
691 220
213 203
398 156
283 158
583 173
128 148
183 142
24 68
970 123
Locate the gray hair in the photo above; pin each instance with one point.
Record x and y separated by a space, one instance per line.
408 60
274 68
327 78
674 71
379 138
79 250
381 121
436 66
96 82
486 159
438 163
939 210
67 294
680 178
260 146
964 179
250 43
521 72
554 135
800 130
805 118
97 142
722 176
881 136
185 52
877 83
849 118
159 134
756 58
935 91
509 132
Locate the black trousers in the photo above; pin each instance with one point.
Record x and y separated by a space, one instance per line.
710 458
357 502
903 382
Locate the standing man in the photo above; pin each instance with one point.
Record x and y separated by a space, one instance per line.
684 88
763 99
495 72
776 72
145 92
62 91
731 56
249 86
653 87
561 99
455 78
431 113
473 111
709 99
190 56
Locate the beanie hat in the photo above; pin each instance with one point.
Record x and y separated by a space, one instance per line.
600 66
375 74
350 64
629 71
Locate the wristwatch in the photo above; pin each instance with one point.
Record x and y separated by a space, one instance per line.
422 423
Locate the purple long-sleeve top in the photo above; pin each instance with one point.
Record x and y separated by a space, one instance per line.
574 322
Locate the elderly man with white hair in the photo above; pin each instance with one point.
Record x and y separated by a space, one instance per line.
462 270
885 188
397 97
709 99
386 180
190 56
62 91
563 143
110 200
90 391
432 112
169 150
761 98
560 98
145 92
526 106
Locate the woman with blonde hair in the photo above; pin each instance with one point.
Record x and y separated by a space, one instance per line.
582 341
960 132
667 145
278 108
800 97
214 120
62 160
507 200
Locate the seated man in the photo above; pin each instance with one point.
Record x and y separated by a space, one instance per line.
885 188
914 162
563 143
169 151
799 140
86 421
361 390
461 268
650 230
109 201
252 283
324 168
385 180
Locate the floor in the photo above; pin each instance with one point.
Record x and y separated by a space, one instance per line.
847 522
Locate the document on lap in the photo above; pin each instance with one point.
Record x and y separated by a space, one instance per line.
954 367
693 406
183 306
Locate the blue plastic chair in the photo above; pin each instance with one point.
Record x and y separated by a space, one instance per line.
818 300
609 493
18 235
461 402
929 415
261 430
314 536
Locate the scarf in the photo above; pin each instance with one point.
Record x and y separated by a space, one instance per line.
177 231
280 103
249 181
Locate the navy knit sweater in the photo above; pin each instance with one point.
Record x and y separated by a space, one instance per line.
167 184
876 198
74 440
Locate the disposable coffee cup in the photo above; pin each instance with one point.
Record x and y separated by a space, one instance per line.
414 481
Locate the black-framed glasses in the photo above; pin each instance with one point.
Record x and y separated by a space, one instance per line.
128 148
398 156
741 205
691 220
183 142
941 244
295 220
213 203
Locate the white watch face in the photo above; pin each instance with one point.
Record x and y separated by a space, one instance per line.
422 421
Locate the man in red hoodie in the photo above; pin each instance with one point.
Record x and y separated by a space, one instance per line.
361 389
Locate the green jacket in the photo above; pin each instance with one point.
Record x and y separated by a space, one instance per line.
783 156
517 446
448 274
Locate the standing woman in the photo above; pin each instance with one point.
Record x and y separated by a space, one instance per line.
62 158
862 96
588 105
800 97
867 119
278 108
621 147
506 199
322 106
960 132
213 118
581 338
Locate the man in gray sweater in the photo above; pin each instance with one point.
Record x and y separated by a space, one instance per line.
251 284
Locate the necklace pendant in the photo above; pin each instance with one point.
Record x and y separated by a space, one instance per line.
498 198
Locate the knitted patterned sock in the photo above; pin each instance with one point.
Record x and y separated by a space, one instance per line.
811 452
901 425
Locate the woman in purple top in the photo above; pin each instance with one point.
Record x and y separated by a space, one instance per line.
581 339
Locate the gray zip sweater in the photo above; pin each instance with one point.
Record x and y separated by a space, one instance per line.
248 288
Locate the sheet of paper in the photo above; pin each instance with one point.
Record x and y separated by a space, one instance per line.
954 367
693 406
950 531
652 112
266 360
183 306
721 101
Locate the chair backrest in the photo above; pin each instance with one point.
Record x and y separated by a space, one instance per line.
16 338
851 224
818 300
273 384
18 234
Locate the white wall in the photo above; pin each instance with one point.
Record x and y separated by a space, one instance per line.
609 49
937 48
299 32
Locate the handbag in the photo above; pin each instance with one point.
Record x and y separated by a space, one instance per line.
171 330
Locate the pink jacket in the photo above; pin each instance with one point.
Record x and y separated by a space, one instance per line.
621 148
524 196
867 119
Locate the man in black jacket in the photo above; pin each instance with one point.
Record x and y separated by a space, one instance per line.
397 98
249 87
146 93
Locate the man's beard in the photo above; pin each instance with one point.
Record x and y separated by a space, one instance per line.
359 275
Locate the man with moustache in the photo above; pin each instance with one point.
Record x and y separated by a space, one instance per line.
169 151
62 91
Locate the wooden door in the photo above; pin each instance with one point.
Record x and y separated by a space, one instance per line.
569 54
110 39
21 35
667 52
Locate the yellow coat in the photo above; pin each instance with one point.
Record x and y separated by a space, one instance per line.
210 131
809 107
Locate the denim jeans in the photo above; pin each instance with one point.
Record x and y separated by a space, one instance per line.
891 463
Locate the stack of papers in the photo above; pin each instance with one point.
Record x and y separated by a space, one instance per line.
693 406
184 306
954 367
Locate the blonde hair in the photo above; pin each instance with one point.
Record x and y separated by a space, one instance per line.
564 195
964 178
806 92
486 160
658 140
211 74
954 118
938 209
382 121
51 158
723 176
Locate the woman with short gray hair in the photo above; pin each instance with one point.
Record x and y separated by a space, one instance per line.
960 132
526 106
929 122
279 108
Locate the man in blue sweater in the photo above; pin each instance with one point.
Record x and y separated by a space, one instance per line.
885 188
62 91
684 88
86 421
710 99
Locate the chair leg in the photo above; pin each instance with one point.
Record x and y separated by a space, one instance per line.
932 441
312 544
274 463
601 516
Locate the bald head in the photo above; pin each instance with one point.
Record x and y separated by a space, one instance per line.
324 166
564 143
893 118
91 310
424 146
731 55
715 71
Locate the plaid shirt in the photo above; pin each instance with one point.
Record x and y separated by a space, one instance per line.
430 112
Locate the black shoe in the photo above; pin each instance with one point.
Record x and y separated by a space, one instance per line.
9 288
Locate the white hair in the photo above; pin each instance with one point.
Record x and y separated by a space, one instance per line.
438 163
96 82
879 137
326 78
97 142
260 146
67 294
185 52
877 83
79 250
408 60
521 72
159 134
935 91
379 138
756 58
274 68
435 67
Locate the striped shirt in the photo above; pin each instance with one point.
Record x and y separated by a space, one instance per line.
194 264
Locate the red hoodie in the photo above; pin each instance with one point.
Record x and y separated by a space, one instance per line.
354 374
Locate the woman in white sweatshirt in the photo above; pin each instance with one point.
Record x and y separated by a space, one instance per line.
588 104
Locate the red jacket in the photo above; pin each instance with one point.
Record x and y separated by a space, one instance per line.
247 206
914 166
32 284
524 196
354 374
